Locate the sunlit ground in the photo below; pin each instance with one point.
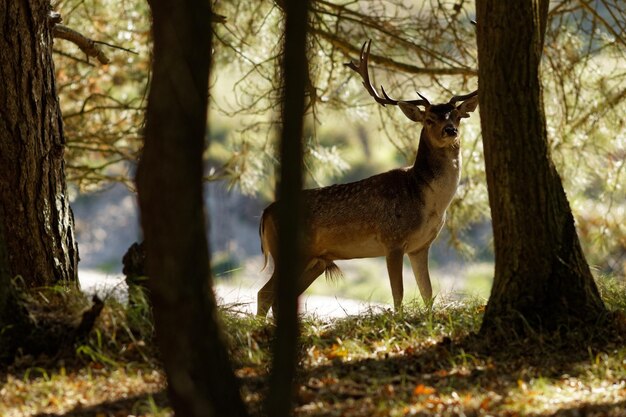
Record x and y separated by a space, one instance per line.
365 281
377 363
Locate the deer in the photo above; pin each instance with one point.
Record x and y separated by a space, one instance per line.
390 214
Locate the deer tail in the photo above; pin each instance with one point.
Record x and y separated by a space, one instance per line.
261 237
332 272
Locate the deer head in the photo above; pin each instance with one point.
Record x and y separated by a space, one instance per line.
440 121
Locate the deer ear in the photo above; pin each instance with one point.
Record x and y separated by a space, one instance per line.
411 111
468 106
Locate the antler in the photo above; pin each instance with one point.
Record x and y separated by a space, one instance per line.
361 67
455 99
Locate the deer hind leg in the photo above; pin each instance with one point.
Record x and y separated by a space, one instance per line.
394 268
419 263
265 297
313 270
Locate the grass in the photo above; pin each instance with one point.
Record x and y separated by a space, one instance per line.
413 363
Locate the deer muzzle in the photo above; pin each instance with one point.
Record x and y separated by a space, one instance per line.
450 131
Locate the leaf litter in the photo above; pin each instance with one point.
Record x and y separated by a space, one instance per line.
414 363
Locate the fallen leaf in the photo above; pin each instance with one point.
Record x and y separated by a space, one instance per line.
337 351
388 390
484 404
422 389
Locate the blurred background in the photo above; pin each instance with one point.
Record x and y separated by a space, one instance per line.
420 45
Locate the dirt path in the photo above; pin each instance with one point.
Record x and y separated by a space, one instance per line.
238 298
244 300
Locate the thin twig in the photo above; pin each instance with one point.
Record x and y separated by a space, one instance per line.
85 44
110 45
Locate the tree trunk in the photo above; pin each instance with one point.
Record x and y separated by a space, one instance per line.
295 75
542 280
38 222
169 180
14 319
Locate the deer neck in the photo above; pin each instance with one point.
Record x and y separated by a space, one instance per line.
434 164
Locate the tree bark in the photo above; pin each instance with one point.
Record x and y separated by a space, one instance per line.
38 222
295 76
542 280
169 181
14 319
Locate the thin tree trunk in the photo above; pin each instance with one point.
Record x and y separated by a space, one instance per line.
542 280
169 180
38 222
295 74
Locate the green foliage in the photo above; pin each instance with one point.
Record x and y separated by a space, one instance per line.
150 407
585 100
249 338
103 105
613 290
95 354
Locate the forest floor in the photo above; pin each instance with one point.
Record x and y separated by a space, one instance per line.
376 363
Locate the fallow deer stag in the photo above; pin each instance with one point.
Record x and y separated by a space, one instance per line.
389 214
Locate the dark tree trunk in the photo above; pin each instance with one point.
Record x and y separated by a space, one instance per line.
542 280
14 319
38 222
200 376
295 74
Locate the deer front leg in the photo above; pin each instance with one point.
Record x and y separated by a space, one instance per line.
394 268
419 263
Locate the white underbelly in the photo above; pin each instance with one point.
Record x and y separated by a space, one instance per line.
369 247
